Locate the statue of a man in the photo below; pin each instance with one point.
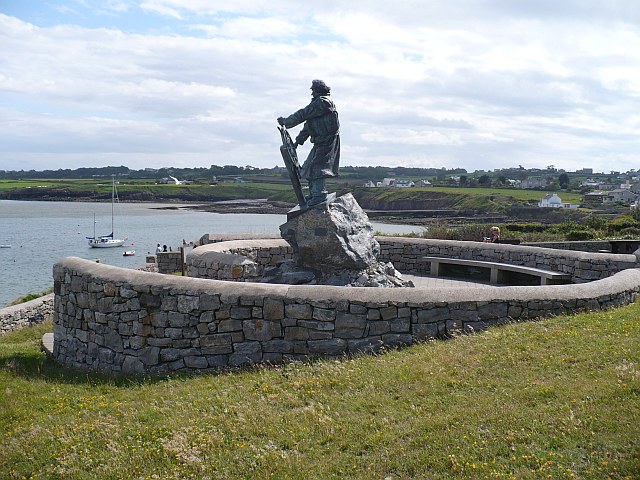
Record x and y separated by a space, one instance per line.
321 124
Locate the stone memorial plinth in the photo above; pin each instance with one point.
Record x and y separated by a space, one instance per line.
333 244
332 236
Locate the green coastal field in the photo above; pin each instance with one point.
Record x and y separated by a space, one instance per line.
558 398
138 190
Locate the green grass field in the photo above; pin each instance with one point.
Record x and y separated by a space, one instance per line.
558 398
100 189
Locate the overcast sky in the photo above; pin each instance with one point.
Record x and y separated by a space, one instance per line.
477 84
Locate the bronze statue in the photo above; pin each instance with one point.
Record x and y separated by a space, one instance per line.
321 124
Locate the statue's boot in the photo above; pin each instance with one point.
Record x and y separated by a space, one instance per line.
318 191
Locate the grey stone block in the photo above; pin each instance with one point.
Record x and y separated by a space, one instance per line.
298 311
369 344
296 333
400 325
216 340
335 346
262 330
397 339
273 309
350 325
324 315
196 362
424 331
388 313
240 313
229 326
149 355
132 366
279 346
378 328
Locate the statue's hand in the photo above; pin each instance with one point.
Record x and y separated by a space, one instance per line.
281 121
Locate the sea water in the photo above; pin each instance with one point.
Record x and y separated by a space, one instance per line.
35 235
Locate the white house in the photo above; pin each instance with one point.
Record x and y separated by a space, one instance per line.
386 182
550 201
404 183
554 201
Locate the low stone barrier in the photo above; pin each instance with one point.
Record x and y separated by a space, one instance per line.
238 260
169 262
208 238
406 255
130 322
244 260
594 246
26 314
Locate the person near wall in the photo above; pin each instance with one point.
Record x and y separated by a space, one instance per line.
495 236
158 249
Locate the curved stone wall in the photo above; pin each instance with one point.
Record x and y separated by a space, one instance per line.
245 260
26 314
130 322
405 254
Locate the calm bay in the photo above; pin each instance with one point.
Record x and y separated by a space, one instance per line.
35 235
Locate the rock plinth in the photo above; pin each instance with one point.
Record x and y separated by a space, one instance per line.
332 236
333 244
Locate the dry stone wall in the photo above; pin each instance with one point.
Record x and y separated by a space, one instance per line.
26 314
240 260
244 260
406 254
130 322
169 262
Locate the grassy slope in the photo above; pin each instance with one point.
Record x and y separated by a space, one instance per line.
552 399
484 199
144 190
487 199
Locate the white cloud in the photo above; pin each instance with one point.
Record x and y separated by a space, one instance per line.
472 84
158 7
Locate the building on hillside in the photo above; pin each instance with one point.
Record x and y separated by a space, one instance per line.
597 196
589 183
533 183
552 200
386 182
620 195
369 184
404 184
424 183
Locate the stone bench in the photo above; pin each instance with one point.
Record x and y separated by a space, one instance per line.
547 277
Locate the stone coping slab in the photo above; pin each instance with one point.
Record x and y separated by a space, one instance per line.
620 282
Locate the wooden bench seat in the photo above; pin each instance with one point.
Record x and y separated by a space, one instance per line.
547 277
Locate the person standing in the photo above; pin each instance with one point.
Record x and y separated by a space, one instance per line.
321 124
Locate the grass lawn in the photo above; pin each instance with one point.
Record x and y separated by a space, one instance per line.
558 398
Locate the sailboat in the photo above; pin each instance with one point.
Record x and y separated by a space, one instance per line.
106 241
